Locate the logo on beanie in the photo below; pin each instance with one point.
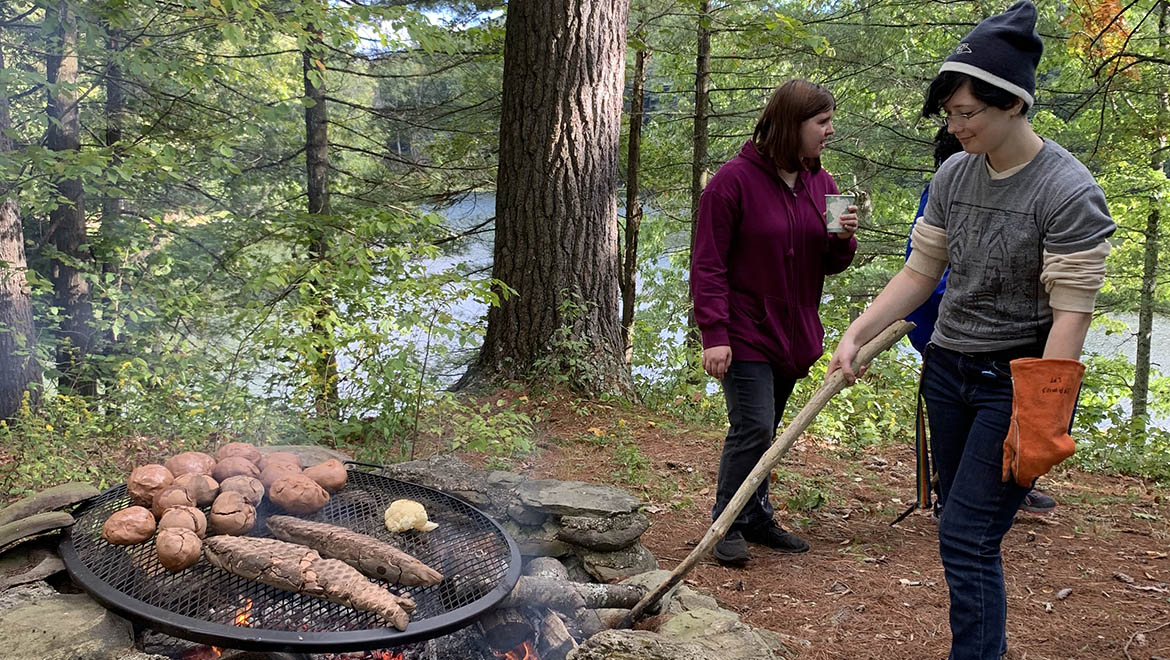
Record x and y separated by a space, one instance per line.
962 48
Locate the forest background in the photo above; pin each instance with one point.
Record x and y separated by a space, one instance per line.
288 219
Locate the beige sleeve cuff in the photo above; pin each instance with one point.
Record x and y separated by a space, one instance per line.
928 250
1072 280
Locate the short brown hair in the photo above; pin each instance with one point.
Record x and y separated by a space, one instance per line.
777 133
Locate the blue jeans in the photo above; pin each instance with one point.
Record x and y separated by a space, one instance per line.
969 406
755 396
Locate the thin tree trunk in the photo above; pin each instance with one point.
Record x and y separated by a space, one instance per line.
629 275
317 167
19 369
1141 381
699 146
67 220
115 118
111 227
556 202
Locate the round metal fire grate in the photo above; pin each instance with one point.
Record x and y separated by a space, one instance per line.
480 564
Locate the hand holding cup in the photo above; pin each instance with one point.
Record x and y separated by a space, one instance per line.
840 216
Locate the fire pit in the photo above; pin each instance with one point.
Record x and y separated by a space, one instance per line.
479 561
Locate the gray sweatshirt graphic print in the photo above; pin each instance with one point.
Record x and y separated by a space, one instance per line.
998 235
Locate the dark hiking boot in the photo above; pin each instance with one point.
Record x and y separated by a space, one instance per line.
775 537
732 549
1037 502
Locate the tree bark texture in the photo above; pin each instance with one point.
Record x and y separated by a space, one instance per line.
111 229
554 641
324 370
629 275
699 143
115 118
1153 237
556 202
19 369
567 596
67 221
505 628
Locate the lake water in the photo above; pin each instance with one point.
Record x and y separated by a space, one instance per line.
475 208
1100 343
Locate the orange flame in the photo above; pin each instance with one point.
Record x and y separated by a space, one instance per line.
523 652
203 653
244 617
386 655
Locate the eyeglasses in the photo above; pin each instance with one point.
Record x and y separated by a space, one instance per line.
946 120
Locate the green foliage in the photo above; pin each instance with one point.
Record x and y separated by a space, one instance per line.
808 498
632 463
570 360
218 297
1107 437
52 445
492 428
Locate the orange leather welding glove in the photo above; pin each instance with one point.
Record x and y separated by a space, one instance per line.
1044 393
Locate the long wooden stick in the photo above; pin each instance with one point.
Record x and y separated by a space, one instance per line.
779 448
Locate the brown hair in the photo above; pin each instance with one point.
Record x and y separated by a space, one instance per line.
777 133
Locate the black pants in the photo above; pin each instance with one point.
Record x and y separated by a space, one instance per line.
755 396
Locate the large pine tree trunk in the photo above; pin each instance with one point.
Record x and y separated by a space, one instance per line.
556 200
67 221
19 370
629 274
324 370
1153 236
699 145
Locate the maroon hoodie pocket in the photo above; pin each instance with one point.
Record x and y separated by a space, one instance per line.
746 308
798 334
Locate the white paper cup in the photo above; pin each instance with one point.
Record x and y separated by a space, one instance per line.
835 206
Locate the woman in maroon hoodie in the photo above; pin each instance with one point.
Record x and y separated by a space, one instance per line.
759 263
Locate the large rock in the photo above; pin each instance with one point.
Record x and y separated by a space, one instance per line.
25 594
619 565
697 635
537 541
680 598
722 631
575 498
63 627
29 563
504 478
605 534
50 499
526 516
576 568
639 645
453 476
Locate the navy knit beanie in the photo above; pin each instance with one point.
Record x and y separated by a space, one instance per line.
1003 50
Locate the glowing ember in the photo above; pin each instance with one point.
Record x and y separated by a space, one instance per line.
364 655
203 653
244 618
523 652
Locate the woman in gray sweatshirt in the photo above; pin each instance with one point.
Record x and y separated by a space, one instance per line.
1023 227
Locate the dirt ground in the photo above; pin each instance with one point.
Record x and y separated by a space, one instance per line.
1091 580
